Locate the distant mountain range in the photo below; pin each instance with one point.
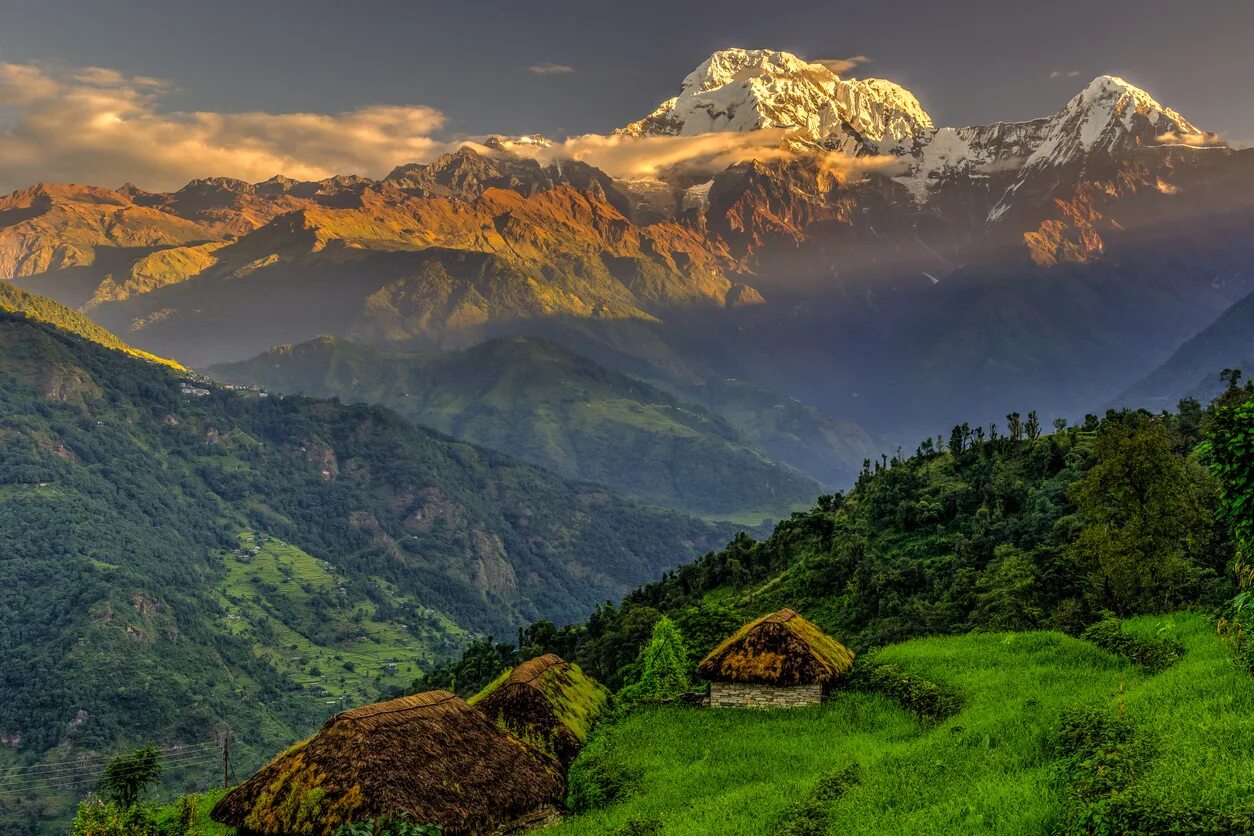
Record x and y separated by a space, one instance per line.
808 234
551 407
1193 371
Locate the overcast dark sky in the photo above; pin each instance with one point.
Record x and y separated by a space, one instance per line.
967 60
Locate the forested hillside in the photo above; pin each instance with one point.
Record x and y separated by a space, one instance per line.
551 407
1004 528
178 558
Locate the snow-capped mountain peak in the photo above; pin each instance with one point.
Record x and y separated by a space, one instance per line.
752 89
1104 117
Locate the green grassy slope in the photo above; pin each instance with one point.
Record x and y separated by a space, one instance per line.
554 408
990 768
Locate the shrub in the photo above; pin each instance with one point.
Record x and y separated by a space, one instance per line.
663 666
931 702
595 781
810 817
98 817
1100 755
1153 655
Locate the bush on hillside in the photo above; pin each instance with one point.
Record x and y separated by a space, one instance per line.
1100 758
596 781
664 668
98 817
811 816
1153 655
931 702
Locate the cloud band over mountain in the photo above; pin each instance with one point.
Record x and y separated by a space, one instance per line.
99 125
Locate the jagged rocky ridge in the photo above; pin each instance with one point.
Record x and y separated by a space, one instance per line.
878 266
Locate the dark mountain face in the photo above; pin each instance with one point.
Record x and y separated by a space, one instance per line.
1193 370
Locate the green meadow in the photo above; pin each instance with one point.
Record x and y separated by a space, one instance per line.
992 767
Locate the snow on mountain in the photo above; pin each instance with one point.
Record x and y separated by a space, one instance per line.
1107 117
751 89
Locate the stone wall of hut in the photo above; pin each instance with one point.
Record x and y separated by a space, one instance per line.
743 695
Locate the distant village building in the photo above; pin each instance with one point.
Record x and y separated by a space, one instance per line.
778 661
428 757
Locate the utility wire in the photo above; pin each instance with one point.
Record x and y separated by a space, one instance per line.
17 782
57 783
42 779
104 757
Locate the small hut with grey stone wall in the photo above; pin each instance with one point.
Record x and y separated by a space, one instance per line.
778 661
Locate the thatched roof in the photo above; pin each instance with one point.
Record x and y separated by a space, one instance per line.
547 702
430 756
778 649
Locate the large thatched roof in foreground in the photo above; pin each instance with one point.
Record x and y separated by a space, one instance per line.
430 756
547 702
777 649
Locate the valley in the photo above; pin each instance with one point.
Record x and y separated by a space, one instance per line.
780 460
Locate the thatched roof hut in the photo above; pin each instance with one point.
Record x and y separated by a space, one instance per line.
429 756
779 659
548 702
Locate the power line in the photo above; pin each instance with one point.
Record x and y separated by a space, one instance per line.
170 751
90 772
56 783
172 763
98 760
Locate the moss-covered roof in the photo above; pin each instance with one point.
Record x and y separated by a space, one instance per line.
777 649
429 756
547 702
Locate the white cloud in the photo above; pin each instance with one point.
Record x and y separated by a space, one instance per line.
840 66
98 125
546 68
1064 74
641 157
1201 139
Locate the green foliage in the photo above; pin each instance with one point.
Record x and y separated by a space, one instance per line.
1100 754
992 767
1154 655
14 300
189 816
388 827
928 700
1101 759
1144 519
1230 447
640 827
548 406
98 817
1006 534
811 817
664 668
132 604
596 780
125 777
